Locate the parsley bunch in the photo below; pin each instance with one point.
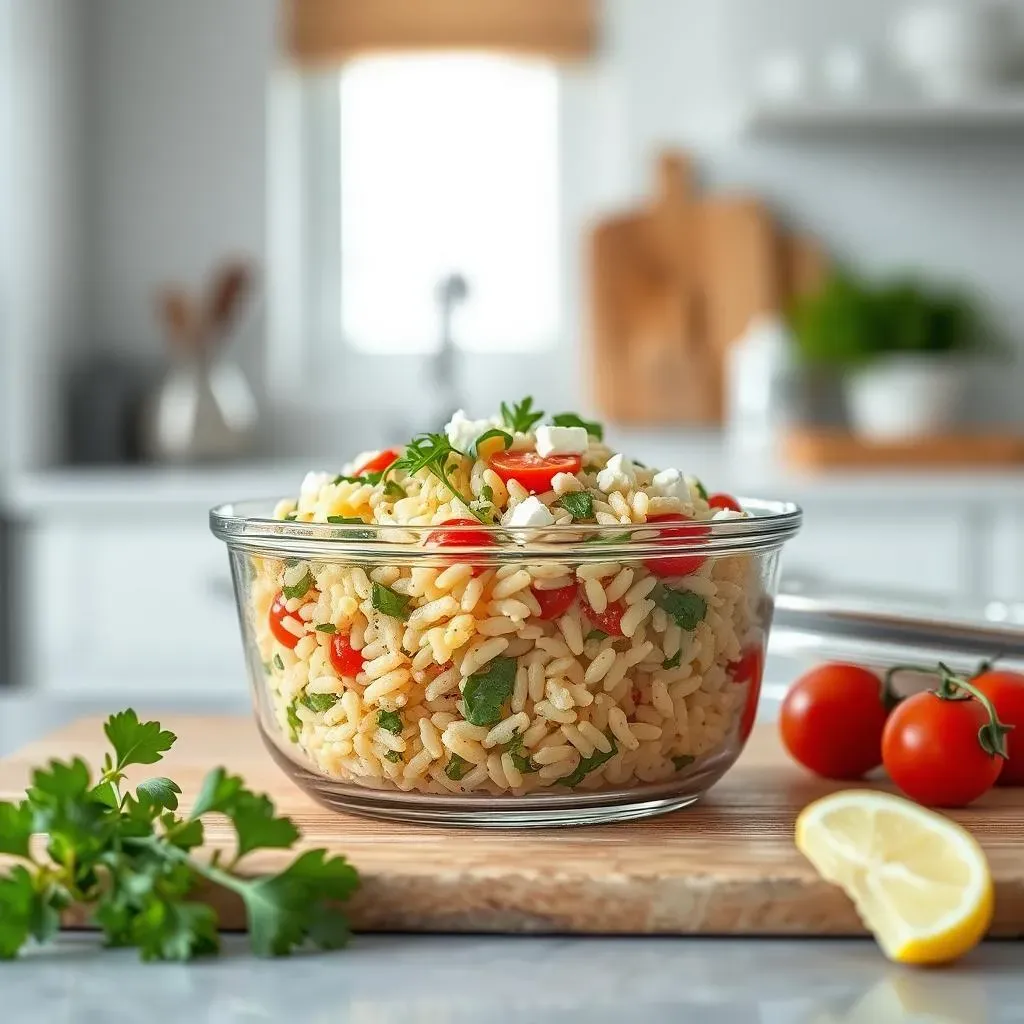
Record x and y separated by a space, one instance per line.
432 452
129 858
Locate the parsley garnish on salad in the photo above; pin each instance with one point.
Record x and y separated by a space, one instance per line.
589 764
580 504
432 452
571 419
387 602
487 691
521 418
685 607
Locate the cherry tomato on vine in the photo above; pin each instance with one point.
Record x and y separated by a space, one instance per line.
378 463
1006 691
750 670
677 565
346 660
535 472
278 613
555 603
934 749
832 721
724 501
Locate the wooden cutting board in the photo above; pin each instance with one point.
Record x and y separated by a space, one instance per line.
726 866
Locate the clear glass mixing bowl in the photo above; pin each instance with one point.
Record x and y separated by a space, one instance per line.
505 677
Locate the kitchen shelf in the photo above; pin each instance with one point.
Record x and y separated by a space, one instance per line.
1003 112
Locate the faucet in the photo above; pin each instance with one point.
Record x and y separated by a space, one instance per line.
452 291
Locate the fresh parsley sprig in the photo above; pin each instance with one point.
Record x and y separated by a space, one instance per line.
130 859
432 453
521 418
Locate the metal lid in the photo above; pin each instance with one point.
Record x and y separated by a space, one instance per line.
881 628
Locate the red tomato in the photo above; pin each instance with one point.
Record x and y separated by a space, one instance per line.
555 603
1006 691
478 538
535 472
832 721
378 463
749 669
677 565
932 751
724 501
346 660
278 613
609 621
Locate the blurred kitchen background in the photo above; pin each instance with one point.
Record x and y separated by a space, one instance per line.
778 246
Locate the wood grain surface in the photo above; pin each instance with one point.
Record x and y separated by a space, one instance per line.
725 866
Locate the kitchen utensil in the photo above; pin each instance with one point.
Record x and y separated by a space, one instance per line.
274 562
725 867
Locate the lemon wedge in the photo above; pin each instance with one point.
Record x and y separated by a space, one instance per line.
920 882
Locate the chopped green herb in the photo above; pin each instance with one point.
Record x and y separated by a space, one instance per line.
292 516
522 761
432 452
674 662
320 702
488 690
487 493
391 721
457 768
579 503
617 538
367 478
683 761
521 418
685 607
387 602
300 589
278 663
267 667
589 764
345 521
701 489
327 627
506 440
595 634
393 756
294 723
571 419
393 490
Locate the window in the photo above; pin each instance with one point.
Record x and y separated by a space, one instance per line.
448 164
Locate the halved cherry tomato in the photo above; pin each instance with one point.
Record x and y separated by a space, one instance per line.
278 613
378 463
832 720
750 670
932 750
677 565
535 472
610 620
554 603
1006 691
478 538
346 660
726 501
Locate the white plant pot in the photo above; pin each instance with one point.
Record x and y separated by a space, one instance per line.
901 398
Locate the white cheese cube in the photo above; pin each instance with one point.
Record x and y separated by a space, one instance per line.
618 475
313 484
670 483
728 513
462 433
531 512
561 441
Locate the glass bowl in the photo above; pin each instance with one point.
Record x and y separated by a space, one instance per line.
505 676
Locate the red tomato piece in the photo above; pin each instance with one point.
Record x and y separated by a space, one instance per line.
347 661
726 501
932 751
378 463
609 621
555 603
677 565
750 670
1006 691
534 472
832 721
278 613
478 538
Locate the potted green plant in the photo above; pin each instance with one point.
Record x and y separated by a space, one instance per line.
900 347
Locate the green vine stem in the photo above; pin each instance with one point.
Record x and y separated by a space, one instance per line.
890 698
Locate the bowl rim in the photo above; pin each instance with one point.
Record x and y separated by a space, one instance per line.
244 526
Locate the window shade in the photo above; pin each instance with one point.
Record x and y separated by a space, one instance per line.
324 31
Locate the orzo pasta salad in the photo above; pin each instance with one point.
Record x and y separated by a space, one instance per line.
510 657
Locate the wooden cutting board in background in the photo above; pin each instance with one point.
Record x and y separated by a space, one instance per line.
673 285
726 866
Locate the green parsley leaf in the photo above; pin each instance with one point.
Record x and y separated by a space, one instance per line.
521 418
346 520
278 663
136 742
299 589
579 503
595 634
292 516
159 792
387 602
175 931
615 538
701 489
390 721
571 419
432 452
320 702
589 764
488 690
294 723
685 607
327 627
394 490
457 768
393 756
366 478
24 912
517 751
683 761
15 829
487 493
674 662
506 440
